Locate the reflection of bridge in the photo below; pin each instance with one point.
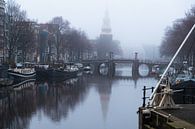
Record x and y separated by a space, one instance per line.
111 64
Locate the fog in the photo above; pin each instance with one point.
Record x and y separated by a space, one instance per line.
135 23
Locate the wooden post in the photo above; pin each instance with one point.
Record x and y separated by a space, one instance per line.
152 89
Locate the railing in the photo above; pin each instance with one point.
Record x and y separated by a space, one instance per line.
144 94
25 70
127 60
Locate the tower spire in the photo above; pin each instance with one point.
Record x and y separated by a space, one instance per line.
106 27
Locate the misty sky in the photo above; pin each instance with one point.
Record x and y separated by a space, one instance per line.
133 22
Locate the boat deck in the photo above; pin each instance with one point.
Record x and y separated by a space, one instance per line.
180 118
186 114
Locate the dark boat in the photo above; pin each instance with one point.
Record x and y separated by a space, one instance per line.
184 92
184 84
44 73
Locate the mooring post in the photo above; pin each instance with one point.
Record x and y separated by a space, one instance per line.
152 89
144 97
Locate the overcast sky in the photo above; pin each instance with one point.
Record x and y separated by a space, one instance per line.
133 21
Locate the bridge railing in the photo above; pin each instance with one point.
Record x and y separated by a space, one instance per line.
125 60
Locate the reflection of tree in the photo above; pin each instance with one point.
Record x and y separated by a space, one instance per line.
60 99
17 109
56 100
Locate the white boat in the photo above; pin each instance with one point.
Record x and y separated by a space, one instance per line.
21 74
87 68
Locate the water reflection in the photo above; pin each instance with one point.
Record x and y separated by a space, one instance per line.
16 109
104 90
55 100
87 102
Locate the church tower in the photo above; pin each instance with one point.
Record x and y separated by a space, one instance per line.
105 40
106 31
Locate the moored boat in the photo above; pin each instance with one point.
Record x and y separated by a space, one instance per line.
21 74
47 73
87 70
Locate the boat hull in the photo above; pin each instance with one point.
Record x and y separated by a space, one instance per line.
184 92
20 77
48 74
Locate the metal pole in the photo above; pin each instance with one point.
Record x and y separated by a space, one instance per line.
170 63
152 89
144 96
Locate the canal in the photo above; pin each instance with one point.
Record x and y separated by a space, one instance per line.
87 102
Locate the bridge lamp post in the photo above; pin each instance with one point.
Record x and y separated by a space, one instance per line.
136 55
111 55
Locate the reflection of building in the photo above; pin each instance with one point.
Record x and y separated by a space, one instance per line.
105 91
105 99
2 21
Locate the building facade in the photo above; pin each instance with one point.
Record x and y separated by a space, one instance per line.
47 43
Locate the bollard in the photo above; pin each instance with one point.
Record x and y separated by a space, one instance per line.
144 97
152 89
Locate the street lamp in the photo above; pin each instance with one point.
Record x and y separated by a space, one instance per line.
111 55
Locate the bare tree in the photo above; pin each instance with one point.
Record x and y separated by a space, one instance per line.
61 29
26 42
77 43
14 15
69 41
175 34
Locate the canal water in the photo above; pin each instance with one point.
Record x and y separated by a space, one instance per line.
87 102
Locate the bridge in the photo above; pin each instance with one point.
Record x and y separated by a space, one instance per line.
111 64
149 62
